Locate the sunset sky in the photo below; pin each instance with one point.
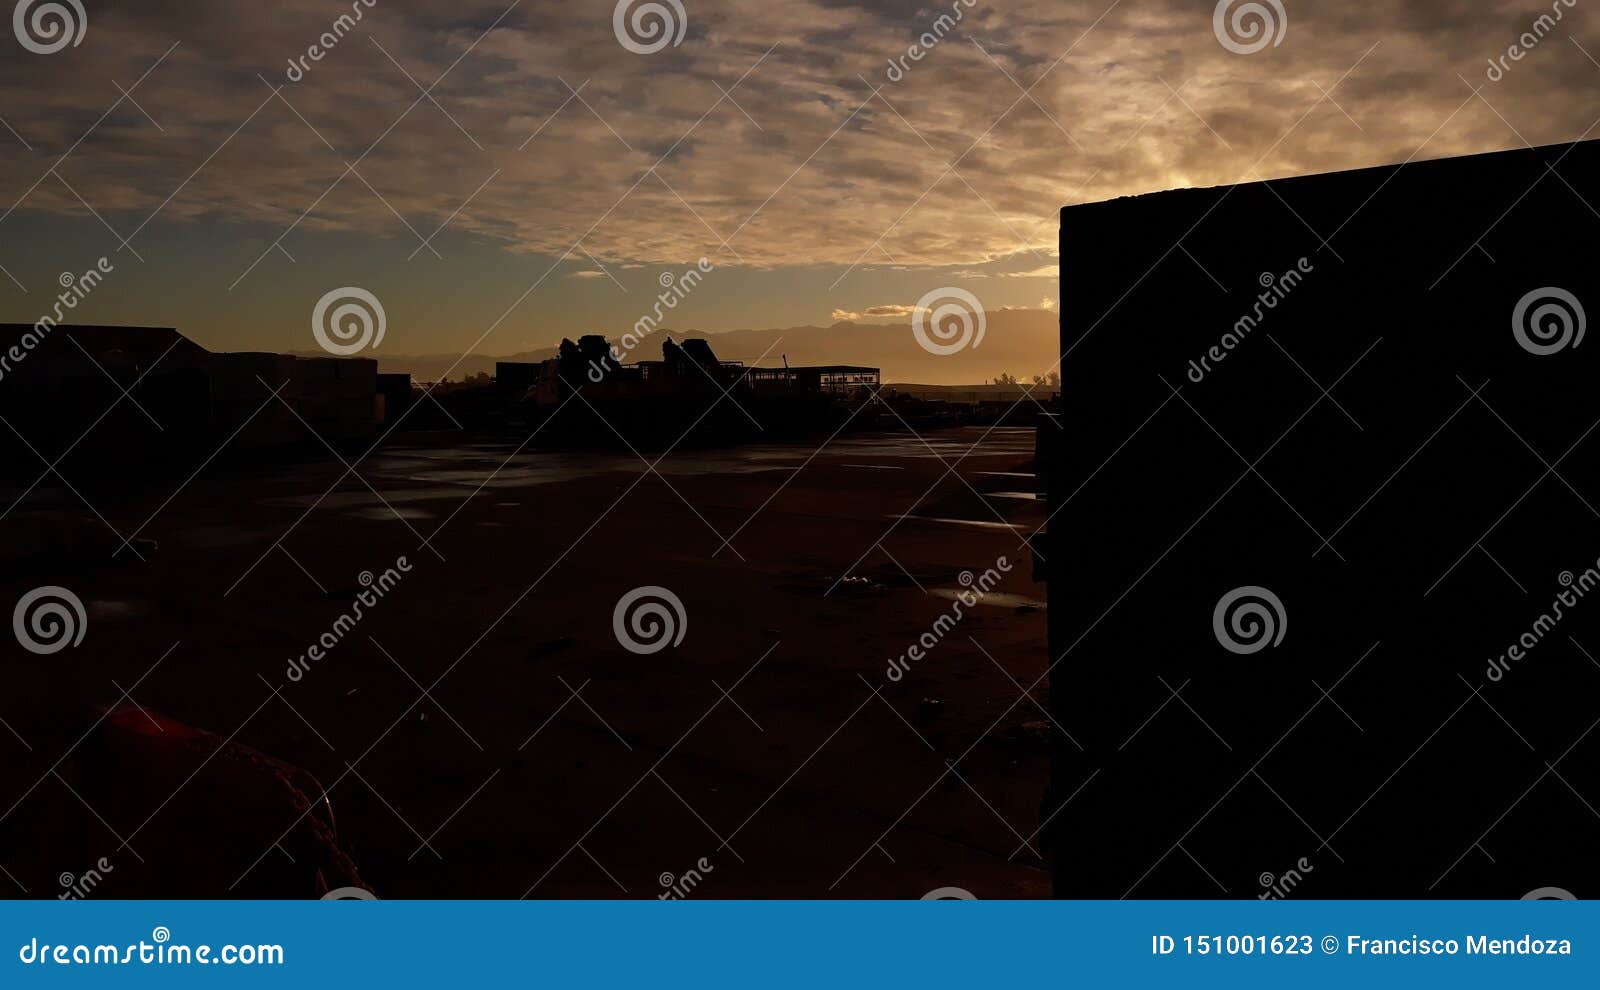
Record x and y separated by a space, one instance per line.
566 172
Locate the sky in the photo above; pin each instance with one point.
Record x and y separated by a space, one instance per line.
499 175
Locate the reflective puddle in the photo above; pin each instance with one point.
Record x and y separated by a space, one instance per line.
969 523
999 599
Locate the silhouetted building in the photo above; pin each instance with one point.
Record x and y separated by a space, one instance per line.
1326 451
516 377
839 379
588 395
394 391
125 390
592 365
56 383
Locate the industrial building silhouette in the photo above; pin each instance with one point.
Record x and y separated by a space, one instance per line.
133 392
1398 444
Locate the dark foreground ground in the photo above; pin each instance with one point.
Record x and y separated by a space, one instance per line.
768 752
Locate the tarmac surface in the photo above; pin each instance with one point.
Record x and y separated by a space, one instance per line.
480 727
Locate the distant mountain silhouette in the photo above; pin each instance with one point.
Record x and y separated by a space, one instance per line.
1022 342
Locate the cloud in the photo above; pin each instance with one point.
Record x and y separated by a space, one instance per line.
760 130
1043 271
873 312
1050 270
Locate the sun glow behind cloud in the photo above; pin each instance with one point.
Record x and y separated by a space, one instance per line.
773 138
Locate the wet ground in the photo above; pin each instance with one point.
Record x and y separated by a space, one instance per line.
482 729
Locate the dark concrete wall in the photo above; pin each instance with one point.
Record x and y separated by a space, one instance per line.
1252 768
